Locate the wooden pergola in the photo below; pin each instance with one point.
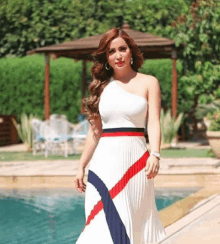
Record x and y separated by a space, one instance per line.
152 47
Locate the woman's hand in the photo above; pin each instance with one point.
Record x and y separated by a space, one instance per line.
79 184
152 166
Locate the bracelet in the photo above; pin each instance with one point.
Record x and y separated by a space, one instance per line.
156 154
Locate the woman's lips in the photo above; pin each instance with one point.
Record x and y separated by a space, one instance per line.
120 63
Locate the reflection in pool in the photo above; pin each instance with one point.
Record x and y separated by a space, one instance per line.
44 216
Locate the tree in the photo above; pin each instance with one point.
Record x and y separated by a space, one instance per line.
29 24
199 31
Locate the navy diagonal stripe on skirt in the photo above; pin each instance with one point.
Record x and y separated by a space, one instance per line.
115 224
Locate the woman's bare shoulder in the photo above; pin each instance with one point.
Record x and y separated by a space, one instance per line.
150 83
148 79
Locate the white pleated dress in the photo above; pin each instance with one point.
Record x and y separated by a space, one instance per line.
120 203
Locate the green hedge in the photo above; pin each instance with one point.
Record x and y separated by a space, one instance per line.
22 83
22 86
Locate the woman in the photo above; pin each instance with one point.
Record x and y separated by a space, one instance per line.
119 196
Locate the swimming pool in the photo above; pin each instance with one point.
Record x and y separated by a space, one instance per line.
44 216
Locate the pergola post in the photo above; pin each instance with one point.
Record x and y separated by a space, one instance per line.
174 90
46 87
83 85
174 84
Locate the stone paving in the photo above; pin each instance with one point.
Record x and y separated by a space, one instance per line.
69 167
201 225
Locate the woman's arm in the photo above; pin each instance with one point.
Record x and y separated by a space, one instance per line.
153 126
91 143
153 122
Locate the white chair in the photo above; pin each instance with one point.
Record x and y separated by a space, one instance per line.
80 133
38 135
58 116
57 135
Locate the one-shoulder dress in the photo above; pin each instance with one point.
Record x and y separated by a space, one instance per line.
120 203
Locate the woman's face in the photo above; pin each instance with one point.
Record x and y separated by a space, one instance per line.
119 54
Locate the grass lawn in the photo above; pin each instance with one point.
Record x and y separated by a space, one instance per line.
166 153
187 152
22 156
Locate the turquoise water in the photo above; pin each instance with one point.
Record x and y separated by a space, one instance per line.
53 216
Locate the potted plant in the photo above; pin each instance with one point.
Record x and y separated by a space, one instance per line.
210 114
213 131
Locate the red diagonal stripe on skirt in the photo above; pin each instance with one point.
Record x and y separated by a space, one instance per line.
133 170
123 133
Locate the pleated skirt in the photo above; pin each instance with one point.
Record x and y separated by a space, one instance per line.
120 205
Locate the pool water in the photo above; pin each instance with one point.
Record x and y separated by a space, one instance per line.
53 215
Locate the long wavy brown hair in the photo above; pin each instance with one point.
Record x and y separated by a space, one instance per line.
101 76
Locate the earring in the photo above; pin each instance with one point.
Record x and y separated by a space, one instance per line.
107 67
131 60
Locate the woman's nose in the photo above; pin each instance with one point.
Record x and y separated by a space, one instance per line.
118 54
